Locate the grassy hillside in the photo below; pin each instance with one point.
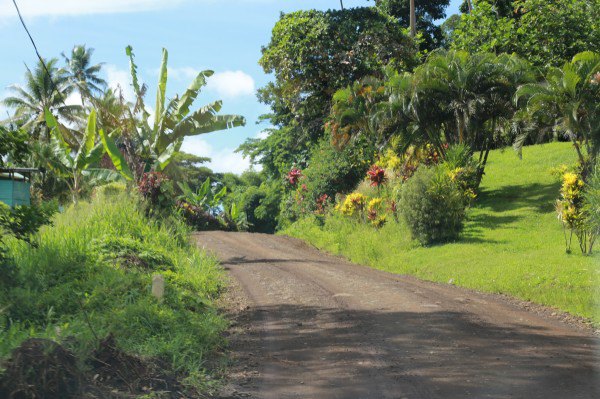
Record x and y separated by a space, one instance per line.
512 242
86 284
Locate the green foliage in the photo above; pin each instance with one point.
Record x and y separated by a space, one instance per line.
257 200
153 147
91 276
543 32
591 207
75 163
484 30
455 98
23 221
46 87
432 206
330 171
511 242
13 146
567 101
127 252
312 54
427 12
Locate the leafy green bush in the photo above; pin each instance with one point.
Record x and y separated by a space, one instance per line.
432 206
330 171
591 206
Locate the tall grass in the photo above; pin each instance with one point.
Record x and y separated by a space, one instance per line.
66 289
512 242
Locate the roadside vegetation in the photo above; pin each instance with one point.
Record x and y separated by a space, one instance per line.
85 281
511 243
101 292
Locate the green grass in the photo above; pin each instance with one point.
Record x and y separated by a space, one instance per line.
83 265
512 242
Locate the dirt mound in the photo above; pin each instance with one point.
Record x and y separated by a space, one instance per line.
113 367
40 368
43 369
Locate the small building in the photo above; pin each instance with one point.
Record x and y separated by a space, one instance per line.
15 185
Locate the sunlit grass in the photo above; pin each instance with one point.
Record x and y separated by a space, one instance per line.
512 242
63 289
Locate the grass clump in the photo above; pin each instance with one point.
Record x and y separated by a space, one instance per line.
89 277
511 243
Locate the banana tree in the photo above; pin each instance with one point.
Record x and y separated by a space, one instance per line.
75 164
207 197
152 144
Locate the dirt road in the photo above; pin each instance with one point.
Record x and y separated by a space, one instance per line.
317 327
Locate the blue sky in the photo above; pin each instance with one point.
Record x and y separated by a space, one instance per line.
223 35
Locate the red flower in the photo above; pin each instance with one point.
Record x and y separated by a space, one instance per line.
376 175
321 202
294 175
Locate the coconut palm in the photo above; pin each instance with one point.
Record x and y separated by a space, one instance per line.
568 101
82 74
45 88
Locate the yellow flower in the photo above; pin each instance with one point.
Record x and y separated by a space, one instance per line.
374 204
379 222
353 202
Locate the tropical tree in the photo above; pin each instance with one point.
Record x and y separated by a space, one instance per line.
82 74
312 54
74 164
420 16
46 88
568 101
151 145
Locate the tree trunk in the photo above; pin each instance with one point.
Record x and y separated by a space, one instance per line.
470 4
413 19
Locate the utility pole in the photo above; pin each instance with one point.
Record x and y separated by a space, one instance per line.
342 4
413 19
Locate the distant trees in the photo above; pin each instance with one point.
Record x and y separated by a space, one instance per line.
545 32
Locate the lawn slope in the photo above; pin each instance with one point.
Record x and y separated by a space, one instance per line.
512 242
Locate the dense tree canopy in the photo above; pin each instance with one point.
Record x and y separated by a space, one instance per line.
312 54
545 32
427 12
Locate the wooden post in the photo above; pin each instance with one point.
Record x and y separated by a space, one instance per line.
158 286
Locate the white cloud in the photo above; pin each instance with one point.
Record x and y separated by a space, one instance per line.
225 160
35 8
184 73
119 79
231 84
262 135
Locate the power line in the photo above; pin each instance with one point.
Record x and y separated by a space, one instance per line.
54 87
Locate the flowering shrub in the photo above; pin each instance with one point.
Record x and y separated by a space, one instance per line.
322 203
390 161
157 190
376 176
571 212
294 176
353 204
197 217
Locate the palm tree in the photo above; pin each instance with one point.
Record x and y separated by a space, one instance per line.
46 87
568 101
82 74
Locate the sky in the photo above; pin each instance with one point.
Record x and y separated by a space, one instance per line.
222 35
